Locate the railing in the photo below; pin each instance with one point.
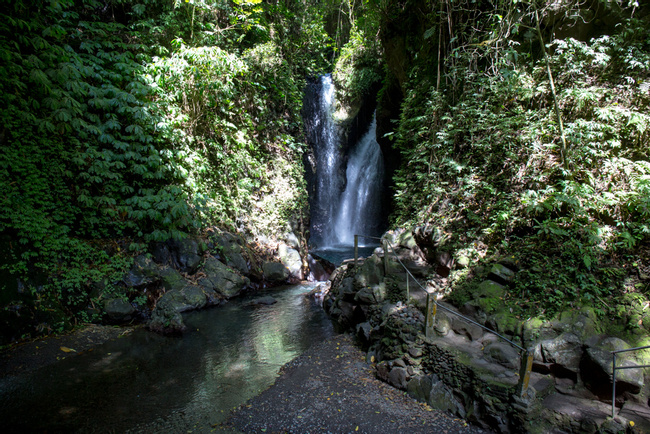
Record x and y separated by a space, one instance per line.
614 368
433 305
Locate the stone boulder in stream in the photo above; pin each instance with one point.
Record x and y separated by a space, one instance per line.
291 259
166 316
222 279
275 272
267 300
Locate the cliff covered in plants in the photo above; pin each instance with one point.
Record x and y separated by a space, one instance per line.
522 130
125 122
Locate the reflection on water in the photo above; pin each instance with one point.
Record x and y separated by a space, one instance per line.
146 382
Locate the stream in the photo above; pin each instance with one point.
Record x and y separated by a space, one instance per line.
145 382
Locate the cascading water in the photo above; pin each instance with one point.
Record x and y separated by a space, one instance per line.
323 134
346 201
359 210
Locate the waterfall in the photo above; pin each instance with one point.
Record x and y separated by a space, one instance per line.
346 200
359 210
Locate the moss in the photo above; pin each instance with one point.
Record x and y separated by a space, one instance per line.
489 305
506 322
489 289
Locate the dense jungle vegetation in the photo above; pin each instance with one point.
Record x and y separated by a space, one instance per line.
126 122
519 128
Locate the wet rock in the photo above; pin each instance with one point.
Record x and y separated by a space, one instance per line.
317 270
190 297
346 289
231 248
266 300
222 279
291 259
161 253
275 272
166 322
320 292
118 310
166 317
372 295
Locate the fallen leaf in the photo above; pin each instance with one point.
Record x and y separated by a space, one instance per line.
68 350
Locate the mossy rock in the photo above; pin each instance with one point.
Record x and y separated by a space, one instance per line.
488 305
489 289
505 322
171 279
582 322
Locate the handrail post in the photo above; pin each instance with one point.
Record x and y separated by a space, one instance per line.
432 307
613 384
356 249
408 293
385 246
524 371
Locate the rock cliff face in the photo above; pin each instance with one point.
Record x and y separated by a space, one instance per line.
464 369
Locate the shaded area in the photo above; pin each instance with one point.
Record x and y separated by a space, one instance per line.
147 382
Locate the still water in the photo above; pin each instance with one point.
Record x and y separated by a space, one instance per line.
145 382
339 253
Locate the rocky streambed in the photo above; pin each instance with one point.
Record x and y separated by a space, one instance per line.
473 374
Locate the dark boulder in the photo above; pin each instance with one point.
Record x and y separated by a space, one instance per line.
118 310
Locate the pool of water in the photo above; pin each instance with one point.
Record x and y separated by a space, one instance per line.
145 382
337 254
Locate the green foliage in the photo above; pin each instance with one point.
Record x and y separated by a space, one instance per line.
358 67
480 147
130 121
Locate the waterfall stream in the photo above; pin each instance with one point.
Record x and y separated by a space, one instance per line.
348 188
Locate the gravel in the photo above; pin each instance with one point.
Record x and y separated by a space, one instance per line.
331 389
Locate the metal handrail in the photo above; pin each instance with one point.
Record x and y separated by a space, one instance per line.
614 368
526 362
